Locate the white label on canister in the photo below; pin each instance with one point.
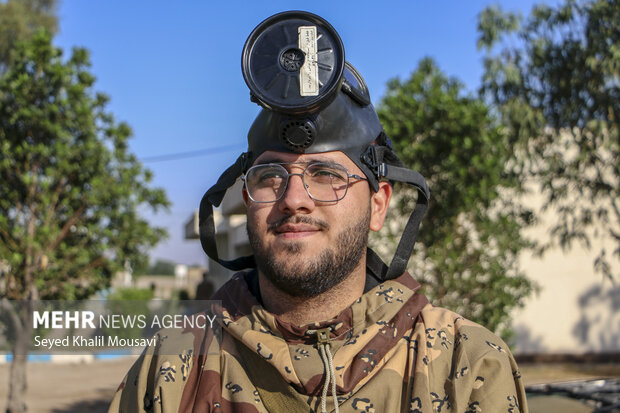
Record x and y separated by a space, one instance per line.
309 72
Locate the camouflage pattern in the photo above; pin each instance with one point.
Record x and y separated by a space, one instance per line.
392 351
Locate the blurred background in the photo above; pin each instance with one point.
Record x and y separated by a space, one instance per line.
116 117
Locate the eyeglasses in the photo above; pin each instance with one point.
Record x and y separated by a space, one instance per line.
324 182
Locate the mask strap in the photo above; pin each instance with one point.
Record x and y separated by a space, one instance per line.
213 197
375 154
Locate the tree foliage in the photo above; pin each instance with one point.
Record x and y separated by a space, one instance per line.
19 20
71 189
555 78
466 254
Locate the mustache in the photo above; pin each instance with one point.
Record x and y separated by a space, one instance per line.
298 219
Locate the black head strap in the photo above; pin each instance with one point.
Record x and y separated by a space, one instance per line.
375 157
212 198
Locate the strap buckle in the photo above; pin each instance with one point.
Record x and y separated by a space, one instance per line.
371 159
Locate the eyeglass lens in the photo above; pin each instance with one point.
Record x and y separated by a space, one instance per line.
323 182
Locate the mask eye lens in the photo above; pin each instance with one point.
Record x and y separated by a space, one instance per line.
354 85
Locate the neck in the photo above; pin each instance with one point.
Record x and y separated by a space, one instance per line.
303 310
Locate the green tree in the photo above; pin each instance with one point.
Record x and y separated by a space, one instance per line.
70 189
466 254
19 20
161 267
554 77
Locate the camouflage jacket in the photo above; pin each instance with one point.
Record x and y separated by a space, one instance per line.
392 352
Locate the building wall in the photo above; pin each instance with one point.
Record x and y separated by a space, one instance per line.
576 310
232 242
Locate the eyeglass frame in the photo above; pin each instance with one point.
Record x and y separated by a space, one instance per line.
301 175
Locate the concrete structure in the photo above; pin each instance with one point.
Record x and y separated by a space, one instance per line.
231 235
164 286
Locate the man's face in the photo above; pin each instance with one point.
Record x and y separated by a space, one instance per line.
306 247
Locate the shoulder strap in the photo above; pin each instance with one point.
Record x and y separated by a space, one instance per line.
275 392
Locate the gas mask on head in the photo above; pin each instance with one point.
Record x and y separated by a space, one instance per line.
313 101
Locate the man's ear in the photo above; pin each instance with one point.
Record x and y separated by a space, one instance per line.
379 202
244 193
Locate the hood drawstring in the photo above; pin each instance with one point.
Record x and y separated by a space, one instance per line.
323 343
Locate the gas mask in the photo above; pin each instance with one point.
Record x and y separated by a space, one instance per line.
313 101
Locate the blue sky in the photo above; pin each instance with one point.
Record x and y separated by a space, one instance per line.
173 72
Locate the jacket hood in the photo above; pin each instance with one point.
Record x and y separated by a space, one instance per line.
361 335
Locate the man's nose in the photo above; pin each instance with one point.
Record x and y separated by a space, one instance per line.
296 198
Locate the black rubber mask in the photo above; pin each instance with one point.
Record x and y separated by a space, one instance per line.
313 101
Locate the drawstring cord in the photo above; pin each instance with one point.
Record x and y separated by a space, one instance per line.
333 374
323 342
327 379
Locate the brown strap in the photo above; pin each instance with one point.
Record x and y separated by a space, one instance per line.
275 392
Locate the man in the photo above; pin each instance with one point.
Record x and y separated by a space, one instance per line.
318 323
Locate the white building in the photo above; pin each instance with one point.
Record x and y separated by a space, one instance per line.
576 310
231 235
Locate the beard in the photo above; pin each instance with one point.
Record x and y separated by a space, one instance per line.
311 276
